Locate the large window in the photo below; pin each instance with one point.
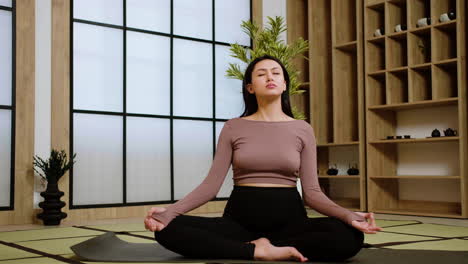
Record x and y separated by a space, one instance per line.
149 96
7 104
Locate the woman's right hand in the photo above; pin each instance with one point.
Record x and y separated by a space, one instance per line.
151 223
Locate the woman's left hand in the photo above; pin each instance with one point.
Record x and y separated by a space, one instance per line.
366 227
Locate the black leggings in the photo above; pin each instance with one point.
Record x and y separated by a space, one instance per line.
276 213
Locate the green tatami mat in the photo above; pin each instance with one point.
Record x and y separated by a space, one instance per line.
431 230
450 244
121 227
7 252
32 261
382 237
389 223
148 234
46 233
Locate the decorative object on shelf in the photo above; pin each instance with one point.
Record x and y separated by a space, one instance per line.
422 22
400 27
353 170
445 17
52 170
450 132
379 32
266 41
422 48
435 133
399 137
332 170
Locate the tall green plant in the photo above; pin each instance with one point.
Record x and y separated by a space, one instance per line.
267 42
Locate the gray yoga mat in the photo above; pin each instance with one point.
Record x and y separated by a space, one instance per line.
109 248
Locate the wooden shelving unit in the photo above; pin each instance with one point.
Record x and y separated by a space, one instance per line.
336 93
420 69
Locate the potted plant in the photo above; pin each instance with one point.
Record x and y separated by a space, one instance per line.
51 171
267 42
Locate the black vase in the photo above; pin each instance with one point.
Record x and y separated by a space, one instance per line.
51 206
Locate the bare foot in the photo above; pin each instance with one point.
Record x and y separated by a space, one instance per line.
264 250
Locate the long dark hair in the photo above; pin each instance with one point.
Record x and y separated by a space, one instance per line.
250 100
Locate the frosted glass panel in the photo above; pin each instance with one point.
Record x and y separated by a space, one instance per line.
148 74
193 79
5 57
5 157
97 173
228 18
97 68
193 154
229 100
105 11
227 186
193 18
154 15
148 160
5 3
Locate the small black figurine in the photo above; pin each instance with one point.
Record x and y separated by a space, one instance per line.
435 133
353 170
332 170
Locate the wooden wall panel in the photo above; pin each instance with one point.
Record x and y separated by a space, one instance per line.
24 145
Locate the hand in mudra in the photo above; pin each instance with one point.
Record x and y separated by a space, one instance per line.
366 227
152 224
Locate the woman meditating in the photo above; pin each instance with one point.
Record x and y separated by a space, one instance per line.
265 217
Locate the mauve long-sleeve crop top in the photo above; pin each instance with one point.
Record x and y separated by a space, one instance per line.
263 152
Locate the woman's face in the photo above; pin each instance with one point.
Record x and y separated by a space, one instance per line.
267 79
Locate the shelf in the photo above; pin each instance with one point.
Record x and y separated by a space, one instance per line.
418 9
398 69
376 51
397 87
423 212
376 88
448 62
420 83
377 74
396 55
419 49
375 18
445 83
439 7
398 35
338 144
418 177
422 67
304 86
377 40
415 81
339 177
415 140
416 105
444 40
449 25
396 14
348 46
344 24
349 203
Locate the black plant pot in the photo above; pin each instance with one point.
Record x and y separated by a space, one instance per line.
51 206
